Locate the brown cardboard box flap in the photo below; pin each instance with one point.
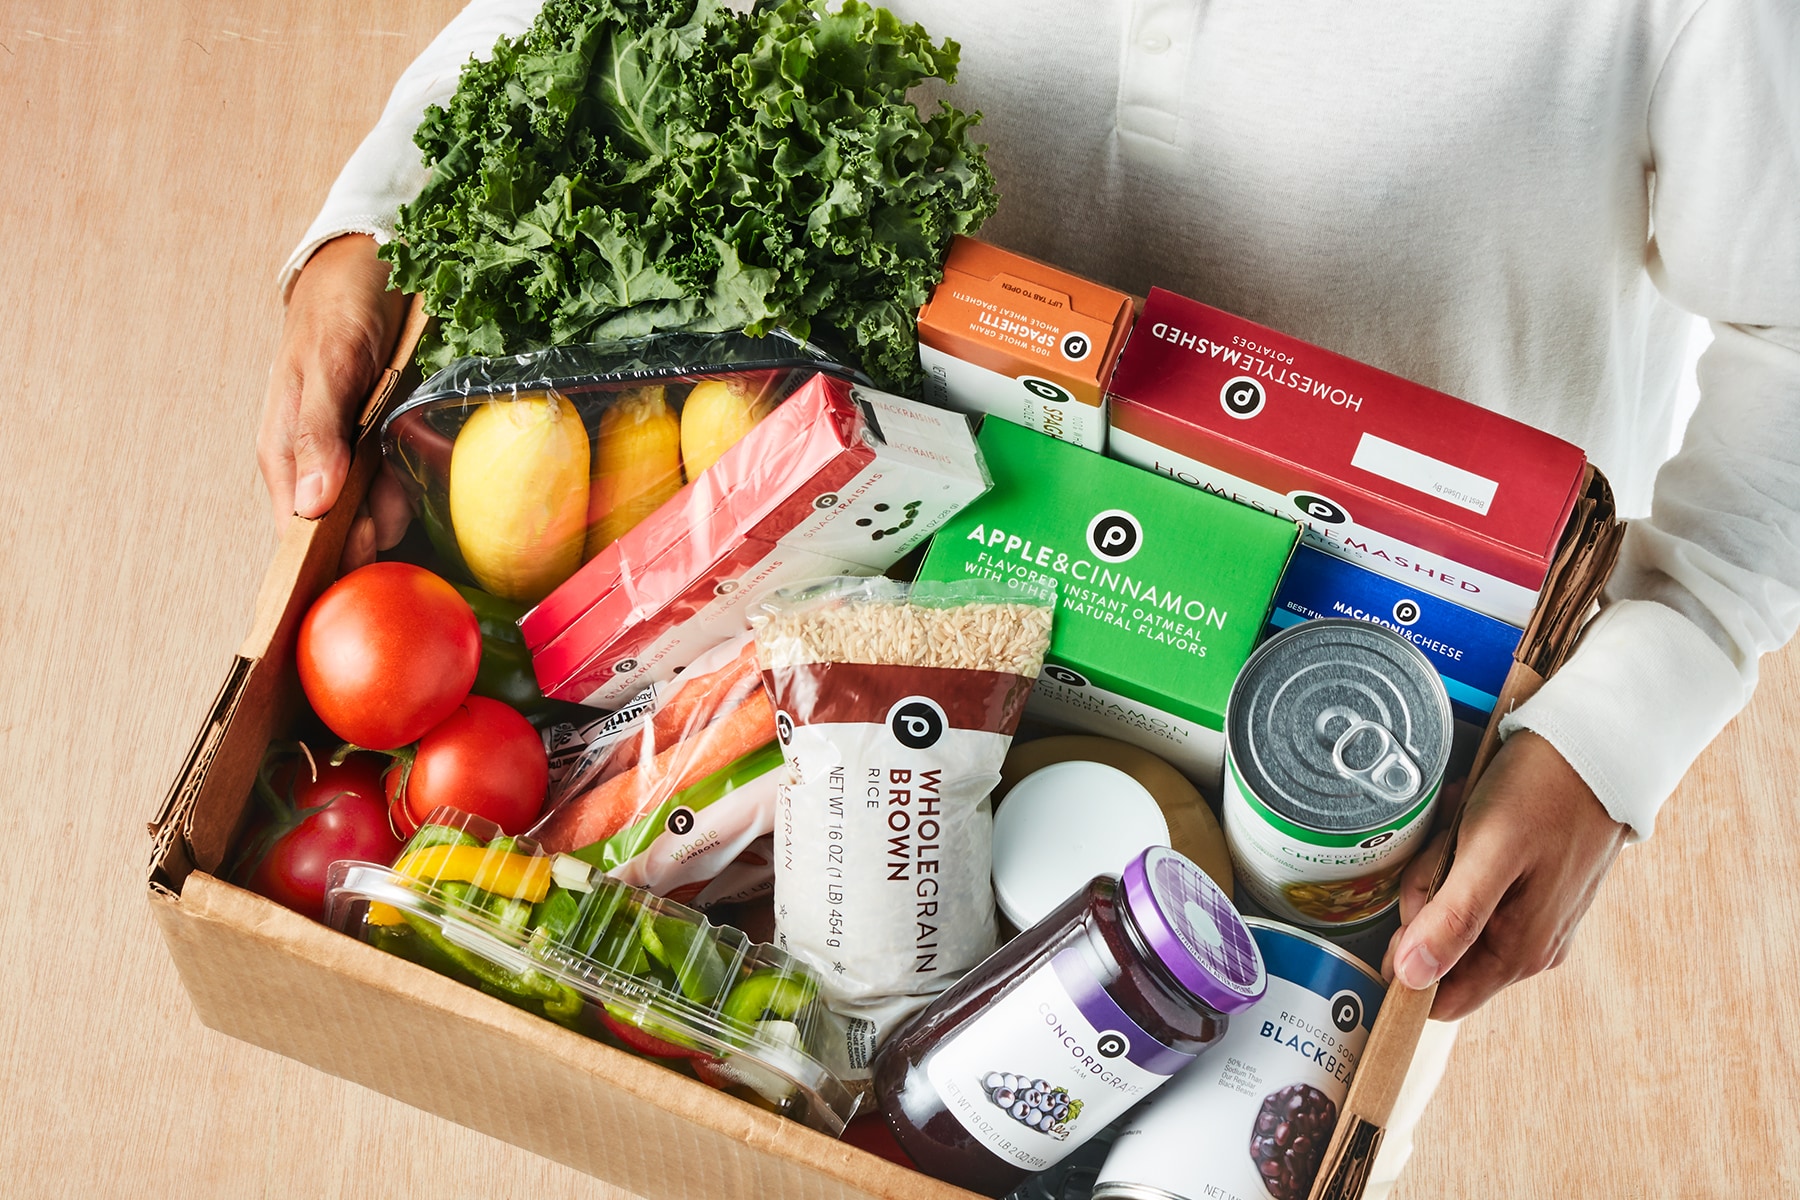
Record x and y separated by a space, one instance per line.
203 807
1584 560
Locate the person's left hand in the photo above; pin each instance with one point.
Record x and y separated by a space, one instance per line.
1533 847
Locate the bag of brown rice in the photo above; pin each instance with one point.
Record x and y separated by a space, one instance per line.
894 706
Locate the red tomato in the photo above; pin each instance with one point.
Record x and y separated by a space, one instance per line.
386 653
484 759
352 823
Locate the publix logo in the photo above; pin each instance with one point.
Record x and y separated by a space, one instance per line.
1242 397
1115 535
1315 507
1044 390
1406 611
917 722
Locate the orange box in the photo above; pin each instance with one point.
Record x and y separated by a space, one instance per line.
1009 335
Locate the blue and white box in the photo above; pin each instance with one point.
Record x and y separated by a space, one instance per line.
1472 652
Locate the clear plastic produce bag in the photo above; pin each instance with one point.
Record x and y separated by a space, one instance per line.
676 791
525 467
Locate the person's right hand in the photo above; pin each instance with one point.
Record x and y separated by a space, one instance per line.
340 328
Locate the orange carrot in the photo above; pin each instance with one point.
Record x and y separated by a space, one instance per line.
698 701
600 812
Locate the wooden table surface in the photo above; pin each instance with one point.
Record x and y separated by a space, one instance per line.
157 162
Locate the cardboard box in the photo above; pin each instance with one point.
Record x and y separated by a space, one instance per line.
838 480
258 972
1161 591
1013 337
1408 482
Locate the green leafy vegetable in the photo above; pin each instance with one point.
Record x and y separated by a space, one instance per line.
632 166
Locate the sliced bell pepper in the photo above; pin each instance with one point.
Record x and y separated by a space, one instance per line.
768 994
690 952
515 876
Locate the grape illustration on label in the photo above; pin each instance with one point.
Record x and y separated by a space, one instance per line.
1034 1103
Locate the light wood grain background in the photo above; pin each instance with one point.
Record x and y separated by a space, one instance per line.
157 162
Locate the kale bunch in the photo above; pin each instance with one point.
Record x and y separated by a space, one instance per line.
632 166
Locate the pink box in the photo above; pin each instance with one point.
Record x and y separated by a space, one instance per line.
837 480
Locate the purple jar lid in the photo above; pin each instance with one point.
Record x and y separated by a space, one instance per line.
1193 930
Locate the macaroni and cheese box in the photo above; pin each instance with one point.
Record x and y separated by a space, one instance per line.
1414 484
1008 335
1161 591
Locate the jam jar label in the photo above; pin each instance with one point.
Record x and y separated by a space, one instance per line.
1049 1064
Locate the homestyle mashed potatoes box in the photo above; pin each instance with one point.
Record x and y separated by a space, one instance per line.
256 971
1419 486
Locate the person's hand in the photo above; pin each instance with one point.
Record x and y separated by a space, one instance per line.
1532 850
340 328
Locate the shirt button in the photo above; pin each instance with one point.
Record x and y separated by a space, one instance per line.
1154 43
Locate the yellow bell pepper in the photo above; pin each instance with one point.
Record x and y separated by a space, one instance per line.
384 914
515 876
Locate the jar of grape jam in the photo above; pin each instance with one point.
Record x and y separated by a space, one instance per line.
1051 1038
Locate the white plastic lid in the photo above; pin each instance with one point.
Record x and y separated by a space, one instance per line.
1061 826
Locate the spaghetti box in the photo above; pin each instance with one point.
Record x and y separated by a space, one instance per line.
1472 653
1161 591
1416 485
838 480
1008 335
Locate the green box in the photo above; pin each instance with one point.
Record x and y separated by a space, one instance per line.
1162 590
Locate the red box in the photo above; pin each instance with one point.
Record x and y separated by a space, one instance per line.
1406 481
837 480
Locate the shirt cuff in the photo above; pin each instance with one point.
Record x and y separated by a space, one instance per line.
1641 697
378 227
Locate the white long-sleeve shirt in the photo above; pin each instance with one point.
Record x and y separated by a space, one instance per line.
1517 204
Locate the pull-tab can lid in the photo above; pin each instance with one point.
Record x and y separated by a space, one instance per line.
1192 929
1334 725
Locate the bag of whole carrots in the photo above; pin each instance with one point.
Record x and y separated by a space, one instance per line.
674 792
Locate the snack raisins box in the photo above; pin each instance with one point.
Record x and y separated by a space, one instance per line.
268 976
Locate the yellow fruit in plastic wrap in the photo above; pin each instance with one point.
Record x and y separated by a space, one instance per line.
716 413
637 464
519 493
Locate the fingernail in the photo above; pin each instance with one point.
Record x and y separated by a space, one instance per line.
308 492
1417 968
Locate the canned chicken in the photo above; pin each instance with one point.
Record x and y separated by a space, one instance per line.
1336 736
1252 1118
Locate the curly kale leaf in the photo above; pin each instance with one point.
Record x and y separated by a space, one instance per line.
632 166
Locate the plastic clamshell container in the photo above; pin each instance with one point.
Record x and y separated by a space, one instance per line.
628 967
568 509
